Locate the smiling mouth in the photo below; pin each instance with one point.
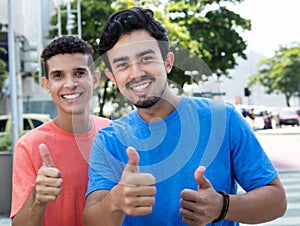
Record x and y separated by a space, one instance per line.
71 96
141 86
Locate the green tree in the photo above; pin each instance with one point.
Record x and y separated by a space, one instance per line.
203 35
3 71
3 65
212 28
280 73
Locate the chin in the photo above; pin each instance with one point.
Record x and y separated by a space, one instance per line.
146 103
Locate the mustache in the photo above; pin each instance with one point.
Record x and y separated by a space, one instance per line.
142 79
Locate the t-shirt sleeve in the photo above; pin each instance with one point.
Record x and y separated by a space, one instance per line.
251 166
104 169
24 176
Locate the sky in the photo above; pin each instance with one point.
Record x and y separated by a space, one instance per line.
274 23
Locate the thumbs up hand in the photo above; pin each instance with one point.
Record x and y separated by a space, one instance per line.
200 207
48 182
202 181
134 195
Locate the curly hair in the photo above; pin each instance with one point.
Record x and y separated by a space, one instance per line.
127 21
67 44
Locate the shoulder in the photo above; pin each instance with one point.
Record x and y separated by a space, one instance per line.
38 131
100 122
209 105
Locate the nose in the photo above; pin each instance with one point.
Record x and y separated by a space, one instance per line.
137 70
71 81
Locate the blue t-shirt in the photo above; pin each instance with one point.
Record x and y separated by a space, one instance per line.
198 132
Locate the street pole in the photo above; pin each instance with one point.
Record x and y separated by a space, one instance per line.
69 29
12 77
59 20
79 19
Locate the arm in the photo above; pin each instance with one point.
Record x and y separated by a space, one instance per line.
260 205
133 195
47 188
31 213
100 210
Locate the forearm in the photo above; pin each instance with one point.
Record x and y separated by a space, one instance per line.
31 214
102 212
260 205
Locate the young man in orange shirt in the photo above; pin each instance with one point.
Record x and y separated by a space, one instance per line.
51 162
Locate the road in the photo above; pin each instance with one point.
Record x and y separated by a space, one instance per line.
291 182
282 145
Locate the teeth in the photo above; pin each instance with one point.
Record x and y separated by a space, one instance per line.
140 87
71 96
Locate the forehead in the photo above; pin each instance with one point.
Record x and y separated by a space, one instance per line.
67 61
131 44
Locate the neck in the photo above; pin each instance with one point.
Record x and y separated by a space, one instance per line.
77 124
164 107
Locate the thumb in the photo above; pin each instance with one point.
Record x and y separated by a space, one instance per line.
45 155
203 182
133 160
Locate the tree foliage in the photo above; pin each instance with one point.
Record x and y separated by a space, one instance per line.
203 35
280 73
213 32
3 64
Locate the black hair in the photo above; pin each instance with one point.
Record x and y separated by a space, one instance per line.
67 44
126 21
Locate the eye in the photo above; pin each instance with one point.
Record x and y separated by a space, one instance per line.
57 75
146 59
80 73
122 66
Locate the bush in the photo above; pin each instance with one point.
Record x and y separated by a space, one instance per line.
5 143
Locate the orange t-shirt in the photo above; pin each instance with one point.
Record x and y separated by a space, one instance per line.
70 154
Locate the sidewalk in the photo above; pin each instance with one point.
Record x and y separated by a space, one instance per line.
257 124
284 130
5 221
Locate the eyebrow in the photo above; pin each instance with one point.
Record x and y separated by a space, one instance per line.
80 69
74 69
116 60
55 71
145 52
123 58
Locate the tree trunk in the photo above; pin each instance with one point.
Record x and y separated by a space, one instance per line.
287 100
102 102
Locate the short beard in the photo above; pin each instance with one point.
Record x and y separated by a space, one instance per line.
147 102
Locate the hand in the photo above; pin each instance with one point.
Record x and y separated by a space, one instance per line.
203 206
134 194
48 182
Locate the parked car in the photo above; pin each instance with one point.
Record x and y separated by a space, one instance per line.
287 118
297 111
30 121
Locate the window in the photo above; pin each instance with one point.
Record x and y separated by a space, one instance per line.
26 124
36 122
3 125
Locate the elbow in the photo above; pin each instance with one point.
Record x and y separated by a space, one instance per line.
85 218
282 206
281 202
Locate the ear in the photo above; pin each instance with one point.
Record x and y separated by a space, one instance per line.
45 83
169 61
110 76
96 79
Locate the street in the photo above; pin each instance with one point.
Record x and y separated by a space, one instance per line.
291 182
282 145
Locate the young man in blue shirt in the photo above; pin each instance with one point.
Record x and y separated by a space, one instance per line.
148 167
